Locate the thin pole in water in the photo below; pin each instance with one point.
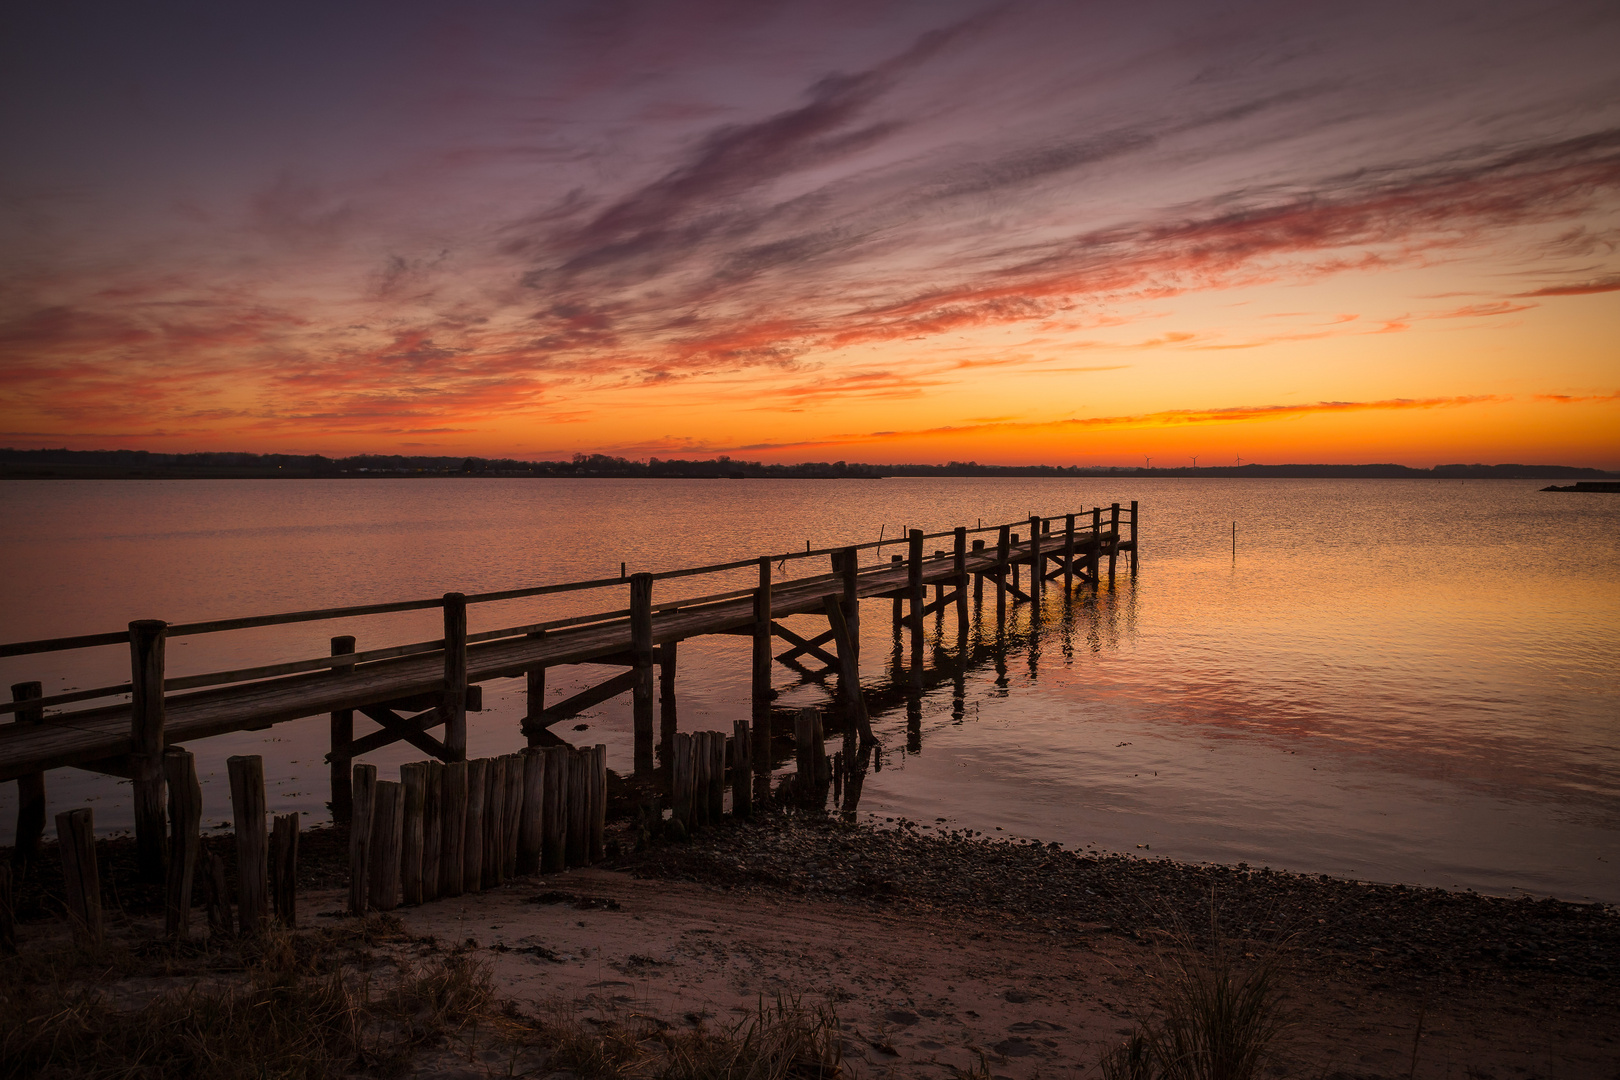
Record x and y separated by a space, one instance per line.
1234 541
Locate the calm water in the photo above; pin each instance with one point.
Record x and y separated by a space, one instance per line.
1393 680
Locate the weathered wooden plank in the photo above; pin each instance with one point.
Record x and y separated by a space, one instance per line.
387 825
453 830
413 779
472 844
554 821
252 843
365 805
531 824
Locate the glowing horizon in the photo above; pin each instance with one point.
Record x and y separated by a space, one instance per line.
1016 234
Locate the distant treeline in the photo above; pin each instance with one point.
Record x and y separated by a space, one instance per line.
143 464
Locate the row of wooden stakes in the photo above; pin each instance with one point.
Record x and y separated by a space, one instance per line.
448 828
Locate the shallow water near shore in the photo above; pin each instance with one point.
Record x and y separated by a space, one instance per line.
1405 681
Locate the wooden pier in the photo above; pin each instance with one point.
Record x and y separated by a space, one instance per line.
409 691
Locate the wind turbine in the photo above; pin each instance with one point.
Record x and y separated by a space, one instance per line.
1195 460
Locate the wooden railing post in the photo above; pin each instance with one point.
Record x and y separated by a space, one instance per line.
762 635
455 676
342 736
899 604
978 576
1068 553
535 680
1095 558
30 787
252 843
641 650
146 640
1113 542
959 552
1003 553
185 839
1037 563
916 596
849 564
1133 538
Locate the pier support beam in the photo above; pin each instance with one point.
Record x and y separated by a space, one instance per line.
1095 557
341 756
454 706
1113 542
916 595
1003 547
30 787
641 648
1037 564
762 635
146 641
1133 538
959 564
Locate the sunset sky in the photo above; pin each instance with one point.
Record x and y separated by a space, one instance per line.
1071 233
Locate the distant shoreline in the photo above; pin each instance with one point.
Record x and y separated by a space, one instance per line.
144 465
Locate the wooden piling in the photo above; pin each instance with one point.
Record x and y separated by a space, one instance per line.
216 897
1094 556
1113 542
284 869
30 787
432 828
453 703
252 843
742 769
641 652
762 634
681 777
804 752
554 821
939 591
472 834
364 785
700 780
81 880
579 808
849 569
185 839
597 848
978 576
849 674
413 779
342 737
531 823
899 601
146 641
959 565
916 597
1068 554
534 699
494 821
387 825
1133 538
1037 561
1016 583
717 776
453 829
513 816
1003 554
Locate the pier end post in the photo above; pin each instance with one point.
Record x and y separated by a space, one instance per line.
30 787
146 646
342 787
455 676
762 635
641 648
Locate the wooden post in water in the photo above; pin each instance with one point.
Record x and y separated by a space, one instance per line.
454 701
978 576
899 602
146 640
1095 555
453 830
472 833
762 635
1133 538
1113 542
1068 554
30 787
81 880
534 699
252 843
554 821
579 807
717 776
742 769
641 650
387 825
1037 561
939 590
432 828
342 736
849 567
365 805
681 777
959 566
185 839
1003 552
514 815
413 779
1017 583
849 674
284 869
494 821
598 762
531 824
914 590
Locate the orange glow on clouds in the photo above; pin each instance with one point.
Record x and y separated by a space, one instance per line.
1028 234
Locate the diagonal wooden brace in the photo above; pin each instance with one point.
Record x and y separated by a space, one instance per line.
619 684
412 729
804 645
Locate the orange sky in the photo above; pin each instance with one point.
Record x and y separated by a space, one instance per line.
1012 233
